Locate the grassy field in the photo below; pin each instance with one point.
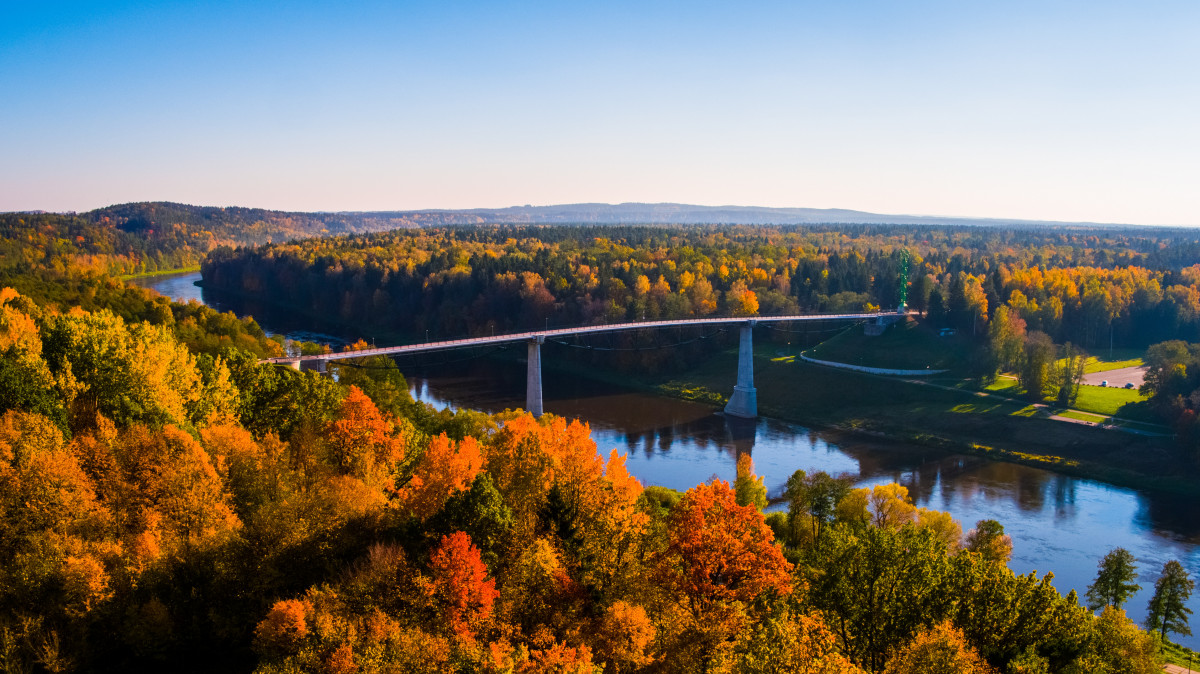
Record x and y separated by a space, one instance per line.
1083 416
1117 359
905 346
1111 401
1095 364
1107 401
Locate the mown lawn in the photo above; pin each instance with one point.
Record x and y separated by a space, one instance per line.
1106 400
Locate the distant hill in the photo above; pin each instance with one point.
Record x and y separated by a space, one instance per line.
235 225
256 225
667 213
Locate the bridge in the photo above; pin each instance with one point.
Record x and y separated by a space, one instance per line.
743 402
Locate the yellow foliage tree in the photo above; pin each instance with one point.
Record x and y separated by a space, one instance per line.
941 649
890 506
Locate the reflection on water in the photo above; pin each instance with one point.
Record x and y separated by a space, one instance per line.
1057 522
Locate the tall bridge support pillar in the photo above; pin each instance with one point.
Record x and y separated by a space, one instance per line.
744 401
533 377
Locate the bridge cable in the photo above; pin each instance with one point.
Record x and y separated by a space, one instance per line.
804 332
638 348
393 357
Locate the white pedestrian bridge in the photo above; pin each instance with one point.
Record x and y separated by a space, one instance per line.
743 402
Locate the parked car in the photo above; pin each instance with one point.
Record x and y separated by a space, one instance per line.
1128 384
1104 383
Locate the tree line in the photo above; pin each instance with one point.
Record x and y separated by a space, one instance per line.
1090 287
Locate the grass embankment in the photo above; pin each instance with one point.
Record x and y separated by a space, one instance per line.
905 346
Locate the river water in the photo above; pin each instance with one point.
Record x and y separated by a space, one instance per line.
1058 523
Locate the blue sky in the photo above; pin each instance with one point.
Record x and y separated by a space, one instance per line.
1048 110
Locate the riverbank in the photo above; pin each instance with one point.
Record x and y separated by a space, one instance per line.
946 419
161 272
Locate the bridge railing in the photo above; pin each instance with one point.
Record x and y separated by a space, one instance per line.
562 332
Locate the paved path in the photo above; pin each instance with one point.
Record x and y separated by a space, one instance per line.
1117 378
1176 669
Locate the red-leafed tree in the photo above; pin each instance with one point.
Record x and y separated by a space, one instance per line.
460 587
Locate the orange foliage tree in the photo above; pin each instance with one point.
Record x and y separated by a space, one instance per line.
446 468
360 438
722 552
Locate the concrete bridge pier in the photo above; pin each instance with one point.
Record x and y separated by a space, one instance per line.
744 401
533 377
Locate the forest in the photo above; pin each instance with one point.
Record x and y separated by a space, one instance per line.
1090 287
167 505
168 502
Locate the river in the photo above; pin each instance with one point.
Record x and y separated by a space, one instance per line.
1058 523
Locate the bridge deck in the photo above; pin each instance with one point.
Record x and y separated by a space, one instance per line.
565 332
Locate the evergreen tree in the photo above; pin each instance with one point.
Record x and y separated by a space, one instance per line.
1114 583
1166 611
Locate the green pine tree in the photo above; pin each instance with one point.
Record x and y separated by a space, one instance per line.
1114 583
1167 612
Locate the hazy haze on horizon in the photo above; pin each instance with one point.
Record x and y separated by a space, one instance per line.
1035 110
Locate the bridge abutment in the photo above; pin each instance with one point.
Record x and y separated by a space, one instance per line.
744 401
533 377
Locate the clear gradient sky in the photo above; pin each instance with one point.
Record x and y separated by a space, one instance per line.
1083 110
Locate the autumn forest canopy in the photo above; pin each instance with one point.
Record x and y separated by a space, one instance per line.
168 502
